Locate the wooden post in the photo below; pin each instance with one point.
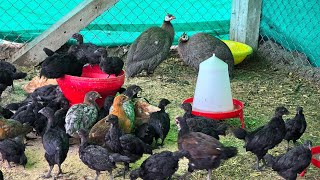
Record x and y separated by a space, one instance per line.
54 37
245 21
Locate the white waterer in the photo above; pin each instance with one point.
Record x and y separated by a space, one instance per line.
213 91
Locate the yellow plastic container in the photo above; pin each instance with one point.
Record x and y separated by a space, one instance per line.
239 50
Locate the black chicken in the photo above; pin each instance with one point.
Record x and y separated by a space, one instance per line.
97 157
160 121
293 162
6 113
146 133
58 64
109 65
8 73
55 142
104 111
127 144
295 127
12 150
265 137
158 166
204 152
150 48
84 50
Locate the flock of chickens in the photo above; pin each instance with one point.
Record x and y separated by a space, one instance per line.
128 126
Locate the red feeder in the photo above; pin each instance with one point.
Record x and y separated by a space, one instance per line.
316 162
237 112
74 88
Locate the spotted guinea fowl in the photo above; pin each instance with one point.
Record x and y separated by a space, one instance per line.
158 166
83 115
10 128
295 127
57 65
97 157
202 124
200 47
55 142
109 65
204 151
12 150
125 144
84 50
8 73
265 137
295 161
160 121
150 48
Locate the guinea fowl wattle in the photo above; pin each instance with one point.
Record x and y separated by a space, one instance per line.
150 48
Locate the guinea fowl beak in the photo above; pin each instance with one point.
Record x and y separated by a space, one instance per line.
172 17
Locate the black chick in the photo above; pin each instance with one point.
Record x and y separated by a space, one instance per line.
265 137
97 157
109 65
132 91
84 50
150 48
55 142
204 151
160 121
12 150
127 144
6 113
58 64
295 161
146 133
158 166
104 111
295 127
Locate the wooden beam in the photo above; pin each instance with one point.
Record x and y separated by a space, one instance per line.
54 37
245 21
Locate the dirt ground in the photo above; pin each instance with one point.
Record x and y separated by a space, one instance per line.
258 84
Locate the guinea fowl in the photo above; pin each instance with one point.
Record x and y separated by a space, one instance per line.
202 124
265 137
10 128
8 73
158 166
12 150
204 151
127 144
109 65
150 48
83 115
55 142
97 157
295 161
57 65
160 121
295 127
200 47
84 50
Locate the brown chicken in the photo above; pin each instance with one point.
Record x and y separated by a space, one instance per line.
10 128
99 131
118 110
37 82
142 111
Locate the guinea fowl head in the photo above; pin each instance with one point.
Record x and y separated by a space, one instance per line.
100 52
281 110
78 37
299 110
187 107
307 144
91 96
183 38
169 17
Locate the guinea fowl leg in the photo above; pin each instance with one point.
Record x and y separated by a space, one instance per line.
111 175
209 174
60 170
256 166
49 173
288 147
126 168
97 175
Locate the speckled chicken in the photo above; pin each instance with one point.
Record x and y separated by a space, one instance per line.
84 50
10 128
83 115
109 65
55 142
295 127
265 137
158 166
200 47
204 151
97 157
12 150
150 48
296 160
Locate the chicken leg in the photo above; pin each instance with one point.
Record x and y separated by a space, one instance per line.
209 174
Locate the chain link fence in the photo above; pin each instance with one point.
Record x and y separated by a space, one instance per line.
23 20
289 32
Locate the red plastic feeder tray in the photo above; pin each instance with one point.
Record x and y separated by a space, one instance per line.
74 88
316 162
237 112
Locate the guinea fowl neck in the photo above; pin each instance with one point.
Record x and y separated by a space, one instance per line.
166 25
